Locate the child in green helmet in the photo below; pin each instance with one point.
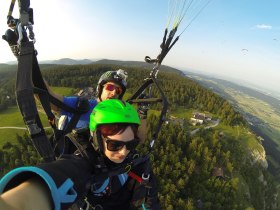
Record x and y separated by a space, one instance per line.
104 173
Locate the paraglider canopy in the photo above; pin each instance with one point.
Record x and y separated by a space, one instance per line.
180 12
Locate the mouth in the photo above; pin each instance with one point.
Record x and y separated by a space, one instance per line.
121 157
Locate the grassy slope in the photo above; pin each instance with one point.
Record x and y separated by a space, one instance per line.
258 108
12 118
269 115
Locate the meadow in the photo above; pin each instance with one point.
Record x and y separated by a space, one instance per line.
13 119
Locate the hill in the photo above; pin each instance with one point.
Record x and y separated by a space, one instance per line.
137 64
67 61
261 110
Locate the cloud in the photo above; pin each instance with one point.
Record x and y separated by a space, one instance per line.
263 26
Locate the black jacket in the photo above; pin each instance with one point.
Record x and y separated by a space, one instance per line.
117 192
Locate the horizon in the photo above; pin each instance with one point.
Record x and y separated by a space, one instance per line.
238 40
240 82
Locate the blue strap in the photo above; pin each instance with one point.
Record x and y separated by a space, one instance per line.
123 177
103 187
63 194
143 206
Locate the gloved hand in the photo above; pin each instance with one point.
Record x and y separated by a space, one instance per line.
12 37
144 107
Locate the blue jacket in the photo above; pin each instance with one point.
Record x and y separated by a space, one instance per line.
72 102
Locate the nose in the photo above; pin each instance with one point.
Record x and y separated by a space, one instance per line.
112 93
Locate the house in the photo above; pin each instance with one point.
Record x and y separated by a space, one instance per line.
199 118
218 172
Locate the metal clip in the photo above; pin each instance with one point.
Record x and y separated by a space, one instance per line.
145 177
21 29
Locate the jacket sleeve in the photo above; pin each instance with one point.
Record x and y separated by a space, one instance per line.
67 179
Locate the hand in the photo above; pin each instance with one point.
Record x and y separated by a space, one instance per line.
144 107
11 37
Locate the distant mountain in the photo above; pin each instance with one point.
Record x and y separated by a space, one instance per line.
7 68
67 61
139 64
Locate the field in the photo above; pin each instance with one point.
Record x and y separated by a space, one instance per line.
258 108
65 91
12 118
266 119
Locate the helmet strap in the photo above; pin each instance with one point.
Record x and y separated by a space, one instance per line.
100 90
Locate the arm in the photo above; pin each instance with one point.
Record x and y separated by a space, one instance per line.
56 185
143 109
142 130
53 94
32 194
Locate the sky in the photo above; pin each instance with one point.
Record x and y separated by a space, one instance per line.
238 40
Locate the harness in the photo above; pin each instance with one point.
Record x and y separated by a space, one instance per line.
30 81
77 142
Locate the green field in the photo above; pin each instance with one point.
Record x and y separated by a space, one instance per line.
65 91
266 113
12 118
182 113
258 108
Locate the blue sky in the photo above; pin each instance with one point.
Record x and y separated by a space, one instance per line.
237 39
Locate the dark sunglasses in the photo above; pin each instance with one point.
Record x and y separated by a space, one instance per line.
111 87
116 145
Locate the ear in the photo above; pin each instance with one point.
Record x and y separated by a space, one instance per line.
97 141
94 141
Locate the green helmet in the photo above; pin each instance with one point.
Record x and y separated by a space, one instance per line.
113 111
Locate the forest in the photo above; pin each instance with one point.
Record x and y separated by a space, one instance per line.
209 170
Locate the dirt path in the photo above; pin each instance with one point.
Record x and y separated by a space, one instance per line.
19 128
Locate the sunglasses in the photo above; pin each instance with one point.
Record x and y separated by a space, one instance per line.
115 145
111 87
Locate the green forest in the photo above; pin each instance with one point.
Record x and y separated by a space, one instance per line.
215 168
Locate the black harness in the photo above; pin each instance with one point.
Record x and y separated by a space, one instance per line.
77 143
30 81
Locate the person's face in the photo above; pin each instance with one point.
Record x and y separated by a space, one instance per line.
116 140
110 91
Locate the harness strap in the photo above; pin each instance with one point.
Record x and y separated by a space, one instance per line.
41 89
124 168
83 106
135 176
81 148
103 187
26 102
59 135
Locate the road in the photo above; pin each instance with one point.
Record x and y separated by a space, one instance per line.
19 128
215 123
